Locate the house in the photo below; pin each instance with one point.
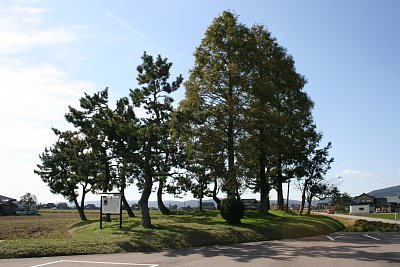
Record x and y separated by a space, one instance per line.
381 205
251 204
135 206
51 206
394 203
62 206
365 203
8 206
359 208
90 207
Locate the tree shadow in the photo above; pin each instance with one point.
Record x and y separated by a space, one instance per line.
289 251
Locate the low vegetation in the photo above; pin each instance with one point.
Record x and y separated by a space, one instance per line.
62 233
372 226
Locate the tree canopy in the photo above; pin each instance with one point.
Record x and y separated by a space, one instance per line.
245 123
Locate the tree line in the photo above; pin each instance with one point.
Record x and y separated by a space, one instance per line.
245 123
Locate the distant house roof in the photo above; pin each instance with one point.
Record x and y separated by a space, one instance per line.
380 201
249 200
393 199
363 198
6 199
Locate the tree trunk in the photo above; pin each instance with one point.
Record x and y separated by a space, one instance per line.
264 192
124 201
279 188
201 192
309 200
303 199
148 184
164 210
287 198
214 194
268 205
80 209
127 207
231 185
279 192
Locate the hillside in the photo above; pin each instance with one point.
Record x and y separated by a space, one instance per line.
392 191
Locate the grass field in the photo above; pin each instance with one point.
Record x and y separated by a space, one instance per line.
388 216
62 233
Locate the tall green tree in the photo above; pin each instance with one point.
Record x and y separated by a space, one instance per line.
277 116
215 86
154 97
204 150
69 166
91 120
121 131
293 123
260 112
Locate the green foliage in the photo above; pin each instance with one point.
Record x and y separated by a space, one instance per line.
28 201
339 208
156 156
371 226
232 210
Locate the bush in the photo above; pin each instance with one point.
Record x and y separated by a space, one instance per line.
339 209
372 226
232 210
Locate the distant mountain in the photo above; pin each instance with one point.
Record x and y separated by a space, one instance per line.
392 191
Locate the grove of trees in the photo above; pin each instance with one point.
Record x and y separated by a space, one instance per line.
245 123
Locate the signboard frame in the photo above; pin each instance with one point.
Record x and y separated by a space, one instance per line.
104 196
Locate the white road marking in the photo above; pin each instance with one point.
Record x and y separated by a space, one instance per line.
98 262
330 238
44 264
366 235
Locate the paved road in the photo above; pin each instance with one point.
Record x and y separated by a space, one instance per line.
338 249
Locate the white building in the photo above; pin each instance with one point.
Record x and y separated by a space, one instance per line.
354 209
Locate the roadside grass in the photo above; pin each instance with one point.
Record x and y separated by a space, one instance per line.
62 233
347 222
372 226
387 216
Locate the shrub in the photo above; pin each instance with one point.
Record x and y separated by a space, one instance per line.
232 210
339 209
371 226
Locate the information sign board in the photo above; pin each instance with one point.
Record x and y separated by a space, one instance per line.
111 204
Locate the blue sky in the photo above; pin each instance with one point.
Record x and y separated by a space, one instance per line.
51 52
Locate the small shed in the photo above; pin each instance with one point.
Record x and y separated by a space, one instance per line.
357 209
8 206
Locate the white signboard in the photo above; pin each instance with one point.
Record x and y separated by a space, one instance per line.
111 204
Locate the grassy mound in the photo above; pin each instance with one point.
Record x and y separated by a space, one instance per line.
56 233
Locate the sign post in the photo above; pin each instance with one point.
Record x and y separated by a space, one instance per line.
111 203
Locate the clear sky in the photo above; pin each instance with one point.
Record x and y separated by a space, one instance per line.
51 52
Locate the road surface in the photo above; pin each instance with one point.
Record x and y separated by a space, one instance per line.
338 249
